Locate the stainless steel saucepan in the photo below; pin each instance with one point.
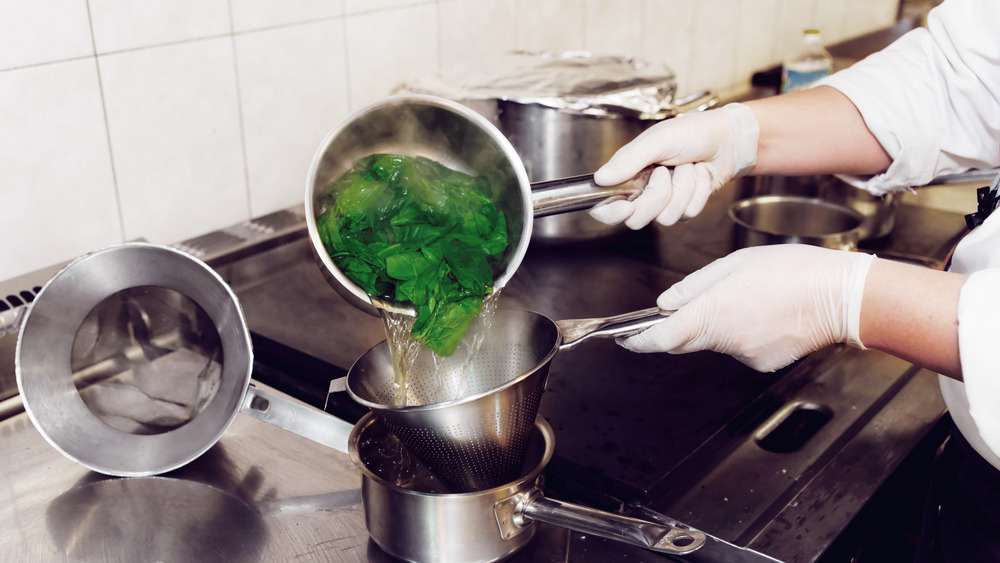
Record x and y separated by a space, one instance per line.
410 517
462 139
134 359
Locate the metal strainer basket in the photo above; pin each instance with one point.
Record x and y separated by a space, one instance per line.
470 425
468 422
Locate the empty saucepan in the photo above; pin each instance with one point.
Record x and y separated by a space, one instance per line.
787 219
134 359
461 139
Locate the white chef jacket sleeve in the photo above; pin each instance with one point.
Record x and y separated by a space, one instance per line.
932 98
979 330
973 402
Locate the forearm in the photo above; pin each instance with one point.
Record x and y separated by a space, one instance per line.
816 131
911 312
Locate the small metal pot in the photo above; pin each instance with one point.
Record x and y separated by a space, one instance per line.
469 422
778 219
411 519
134 359
878 213
458 137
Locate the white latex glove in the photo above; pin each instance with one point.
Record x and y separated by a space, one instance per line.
766 306
707 150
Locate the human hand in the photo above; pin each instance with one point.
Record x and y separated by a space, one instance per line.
707 150
766 306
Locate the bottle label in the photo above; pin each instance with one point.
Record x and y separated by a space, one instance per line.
793 80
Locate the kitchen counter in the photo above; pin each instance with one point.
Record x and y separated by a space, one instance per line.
263 494
260 494
678 437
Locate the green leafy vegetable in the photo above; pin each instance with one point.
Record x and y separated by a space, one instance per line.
411 229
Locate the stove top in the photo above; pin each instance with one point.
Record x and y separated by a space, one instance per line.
699 437
747 457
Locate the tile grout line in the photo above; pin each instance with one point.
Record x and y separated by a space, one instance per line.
107 129
239 113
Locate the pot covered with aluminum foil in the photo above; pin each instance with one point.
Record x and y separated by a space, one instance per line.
565 114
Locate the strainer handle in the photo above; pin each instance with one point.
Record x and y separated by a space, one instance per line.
575 331
654 536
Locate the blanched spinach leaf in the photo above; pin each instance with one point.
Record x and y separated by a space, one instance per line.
411 229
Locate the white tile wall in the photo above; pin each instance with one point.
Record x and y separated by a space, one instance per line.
293 88
166 119
58 190
43 31
125 24
259 14
552 25
174 123
469 30
383 47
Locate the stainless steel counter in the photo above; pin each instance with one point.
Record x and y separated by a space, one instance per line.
262 494
647 435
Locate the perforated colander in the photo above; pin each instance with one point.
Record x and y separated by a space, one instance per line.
470 424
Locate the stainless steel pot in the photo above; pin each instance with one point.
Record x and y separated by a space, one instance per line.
409 517
469 422
134 359
558 143
460 138
878 213
778 219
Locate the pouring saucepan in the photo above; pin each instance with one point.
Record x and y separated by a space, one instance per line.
134 359
412 519
469 422
462 139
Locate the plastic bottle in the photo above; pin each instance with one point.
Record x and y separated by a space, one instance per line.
810 62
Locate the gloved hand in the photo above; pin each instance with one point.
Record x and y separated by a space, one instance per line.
707 149
766 306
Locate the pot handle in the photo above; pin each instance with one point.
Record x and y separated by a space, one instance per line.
337 385
11 320
516 511
297 418
698 101
576 193
580 192
575 331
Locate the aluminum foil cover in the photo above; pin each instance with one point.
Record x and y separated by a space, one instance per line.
574 81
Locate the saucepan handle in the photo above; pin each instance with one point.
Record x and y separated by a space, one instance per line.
338 385
580 192
11 319
575 331
696 102
297 418
517 510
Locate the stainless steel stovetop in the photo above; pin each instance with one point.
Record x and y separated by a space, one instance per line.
770 465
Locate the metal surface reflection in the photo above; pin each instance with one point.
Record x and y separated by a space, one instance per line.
147 360
155 519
